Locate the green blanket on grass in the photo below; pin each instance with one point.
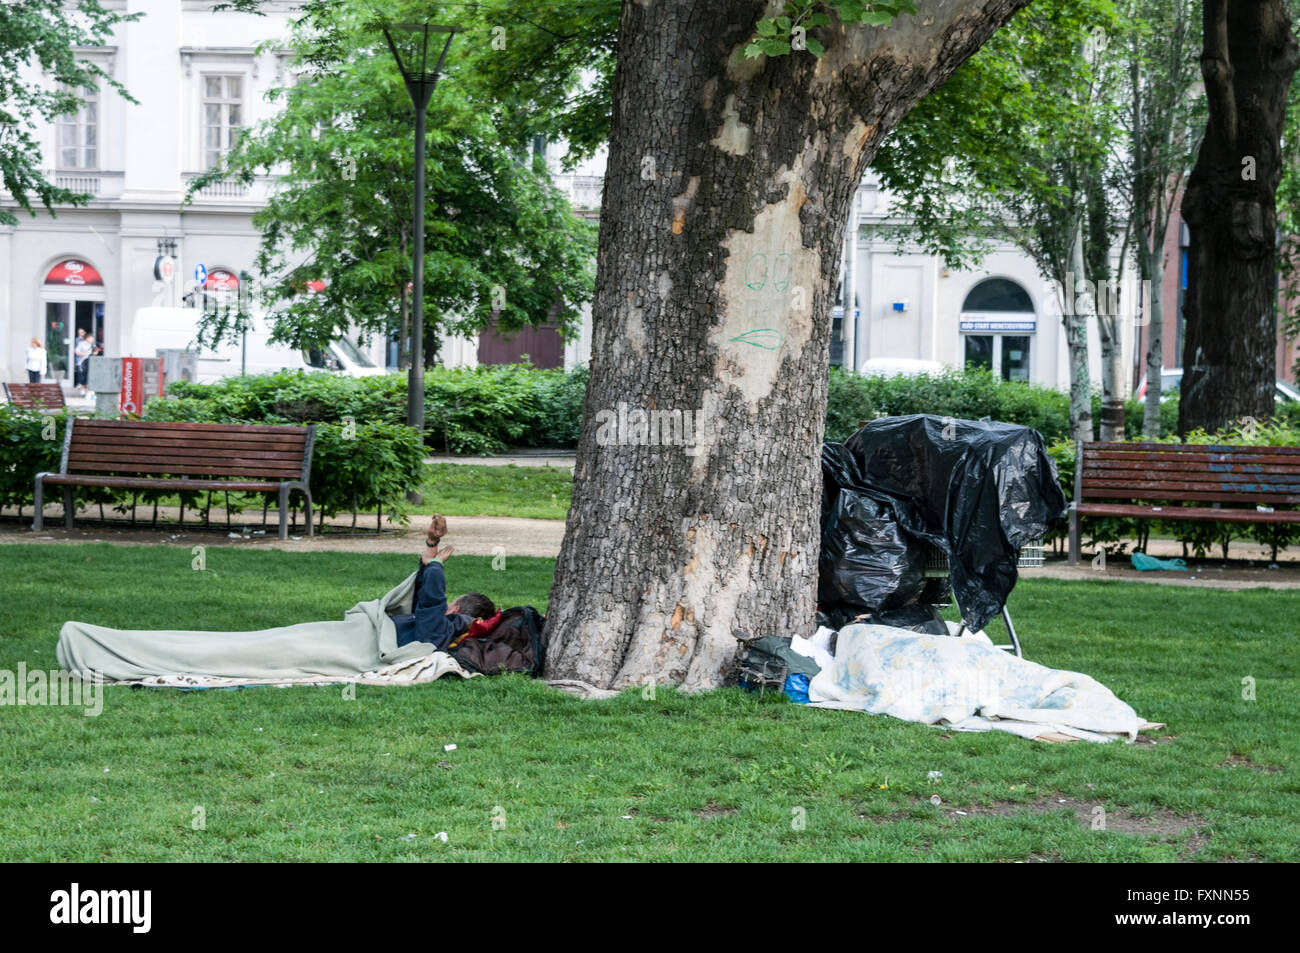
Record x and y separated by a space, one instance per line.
363 641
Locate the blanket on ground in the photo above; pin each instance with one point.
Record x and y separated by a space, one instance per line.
363 643
969 683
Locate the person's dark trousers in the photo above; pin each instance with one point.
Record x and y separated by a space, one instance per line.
33 377
430 622
79 374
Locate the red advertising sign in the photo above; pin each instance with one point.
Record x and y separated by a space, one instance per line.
221 280
132 401
73 272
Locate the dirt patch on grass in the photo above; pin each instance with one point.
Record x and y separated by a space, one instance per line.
1160 823
713 809
1241 761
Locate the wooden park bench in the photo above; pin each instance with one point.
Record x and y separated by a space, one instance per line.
48 395
1228 484
143 455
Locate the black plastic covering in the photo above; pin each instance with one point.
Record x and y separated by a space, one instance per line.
976 490
867 560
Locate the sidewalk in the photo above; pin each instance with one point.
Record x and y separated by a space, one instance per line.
470 535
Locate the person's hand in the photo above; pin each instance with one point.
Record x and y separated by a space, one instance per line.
433 553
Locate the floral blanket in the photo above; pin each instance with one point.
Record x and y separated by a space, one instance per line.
967 683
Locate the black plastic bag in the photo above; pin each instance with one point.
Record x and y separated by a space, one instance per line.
867 560
979 491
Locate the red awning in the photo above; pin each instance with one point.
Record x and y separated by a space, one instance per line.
221 280
73 272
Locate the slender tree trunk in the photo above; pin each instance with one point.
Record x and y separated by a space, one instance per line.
1075 315
1229 362
1153 270
726 194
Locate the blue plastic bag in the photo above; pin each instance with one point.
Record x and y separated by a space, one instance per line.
1142 561
796 689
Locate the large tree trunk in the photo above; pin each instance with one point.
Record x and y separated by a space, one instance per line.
1231 332
726 194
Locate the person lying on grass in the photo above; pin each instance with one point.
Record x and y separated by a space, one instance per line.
433 620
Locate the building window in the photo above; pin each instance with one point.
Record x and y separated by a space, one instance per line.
79 134
223 116
1005 355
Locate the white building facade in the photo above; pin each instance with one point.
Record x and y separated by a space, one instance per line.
1002 315
198 80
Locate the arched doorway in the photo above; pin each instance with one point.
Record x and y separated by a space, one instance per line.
997 326
72 299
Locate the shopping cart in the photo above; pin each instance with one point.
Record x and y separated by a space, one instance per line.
938 587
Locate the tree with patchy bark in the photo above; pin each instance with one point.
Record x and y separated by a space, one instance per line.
726 197
1229 361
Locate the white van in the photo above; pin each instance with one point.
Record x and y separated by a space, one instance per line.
156 328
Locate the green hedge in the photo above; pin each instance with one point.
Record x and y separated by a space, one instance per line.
1115 534
969 394
490 409
355 467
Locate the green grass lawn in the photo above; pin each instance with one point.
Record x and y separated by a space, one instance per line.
456 489
306 774
452 489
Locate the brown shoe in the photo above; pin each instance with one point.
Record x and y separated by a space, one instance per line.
437 530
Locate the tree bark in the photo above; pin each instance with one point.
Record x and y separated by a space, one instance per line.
1153 270
1229 362
726 195
1075 315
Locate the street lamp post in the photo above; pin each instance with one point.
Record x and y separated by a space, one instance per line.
420 84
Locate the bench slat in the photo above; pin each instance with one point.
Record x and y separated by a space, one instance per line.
149 426
1201 461
186 443
1228 482
79 479
1197 513
290 458
206 471
1235 466
1168 496
1172 449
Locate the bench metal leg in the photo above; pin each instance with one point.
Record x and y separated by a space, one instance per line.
307 511
1074 536
38 519
284 511
69 507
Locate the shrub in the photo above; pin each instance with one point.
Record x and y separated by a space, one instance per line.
969 394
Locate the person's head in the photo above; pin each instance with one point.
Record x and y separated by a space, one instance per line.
82 333
473 604
36 342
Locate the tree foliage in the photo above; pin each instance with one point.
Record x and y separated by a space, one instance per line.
501 243
42 37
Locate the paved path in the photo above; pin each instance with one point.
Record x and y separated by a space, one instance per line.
471 535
